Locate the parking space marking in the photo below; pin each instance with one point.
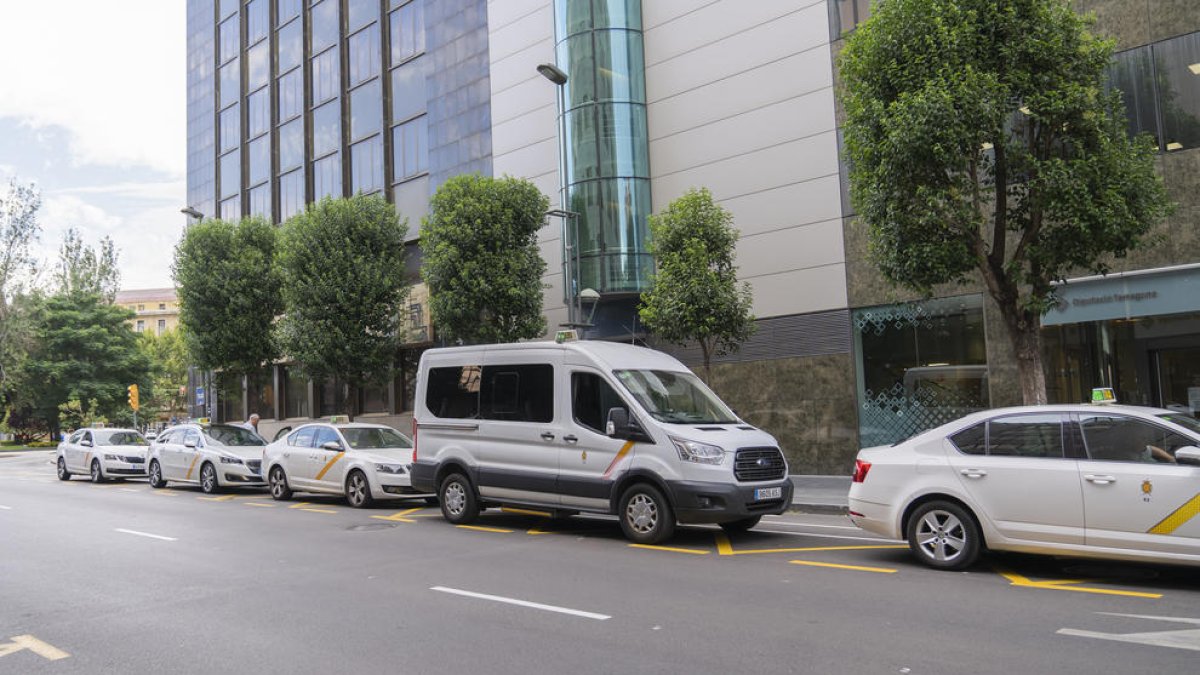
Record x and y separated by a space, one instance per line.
166 493
222 498
481 528
522 603
266 505
1015 579
125 489
22 642
724 547
146 534
399 516
671 549
1177 639
320 510
857 568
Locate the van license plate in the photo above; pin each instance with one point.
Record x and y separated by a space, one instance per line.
767 493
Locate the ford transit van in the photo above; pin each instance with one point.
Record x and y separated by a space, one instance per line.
587 426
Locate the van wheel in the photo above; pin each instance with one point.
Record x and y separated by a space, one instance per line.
208 479
358 490
156 479
739 526
97 473
431 501
63 474
280 491
943 535
646 517
459 504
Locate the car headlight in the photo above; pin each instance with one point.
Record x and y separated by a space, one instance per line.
232 460
112 458
389 468
701 453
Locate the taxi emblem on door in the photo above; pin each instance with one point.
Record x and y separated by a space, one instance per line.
1147 489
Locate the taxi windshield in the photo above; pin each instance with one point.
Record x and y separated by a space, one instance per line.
370 438
233 436
120 438
1182 419
675 397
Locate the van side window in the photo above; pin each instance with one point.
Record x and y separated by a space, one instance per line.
518 393
453 393
591 399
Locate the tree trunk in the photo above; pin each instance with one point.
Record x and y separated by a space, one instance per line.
706 353
1024 330
351 401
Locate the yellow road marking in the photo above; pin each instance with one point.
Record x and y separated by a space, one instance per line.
480 528
858 568
299 505
399 516
19 642
1068 585
329 465
166 493
725 548
319 510
1178 517
262 504
193 466
526 512
671 549
222 498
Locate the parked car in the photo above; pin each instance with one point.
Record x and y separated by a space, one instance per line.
103 454
1108 481
589 426
363 462
209 455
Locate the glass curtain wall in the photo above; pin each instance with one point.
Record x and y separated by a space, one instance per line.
607 164
229 93
1160 88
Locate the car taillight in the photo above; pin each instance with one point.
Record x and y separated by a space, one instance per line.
860 470
414 435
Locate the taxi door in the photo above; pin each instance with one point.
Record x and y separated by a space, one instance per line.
589 462
1135 495
297 457
85 450
71 452
187 459
327 468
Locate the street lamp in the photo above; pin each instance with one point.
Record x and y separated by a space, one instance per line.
189 211
570 246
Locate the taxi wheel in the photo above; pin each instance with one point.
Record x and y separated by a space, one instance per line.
459 504
738 526
646 517
63 474
358 490
97 473
155 475
944 536
280 491
208 479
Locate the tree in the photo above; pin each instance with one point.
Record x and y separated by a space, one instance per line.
82 269
981 140
168 357
481 260
344 290
229 294
19 229
696 296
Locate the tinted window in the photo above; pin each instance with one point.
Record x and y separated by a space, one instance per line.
233 436
368 438
453 393
75 437
87 436
302 438
123 438
165 437
518 393
192 436
1183 420
591 399
972 440
325 435
1026 436
1116 438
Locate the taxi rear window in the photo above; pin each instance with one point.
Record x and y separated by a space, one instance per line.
972 440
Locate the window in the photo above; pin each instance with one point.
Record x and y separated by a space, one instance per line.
518 393
260 201
295 393
325 435
291 144
230 38
1178 63
261 390
191 436
1026 436
231 124
162 306
324 24
972 440
408 31
231 174
286 9
258 66
408 90
366 110
410 149
1132 72
361 12
327 177
325 80
258 107
162 326
140 326
453 393
372 398
230 79
291 194
141 308
366 165
845 15
259 152
291 95
363 49
591 399
327 128
231 209
331 398
302 438
227 7
368 438
290 46
1116 438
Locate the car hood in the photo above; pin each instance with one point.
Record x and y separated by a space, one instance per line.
387 455
240 451
134 450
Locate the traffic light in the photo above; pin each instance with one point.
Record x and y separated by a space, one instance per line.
133 396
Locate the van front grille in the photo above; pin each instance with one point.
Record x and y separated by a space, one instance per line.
759 464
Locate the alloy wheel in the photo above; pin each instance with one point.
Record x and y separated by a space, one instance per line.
642 513
455 498
941 536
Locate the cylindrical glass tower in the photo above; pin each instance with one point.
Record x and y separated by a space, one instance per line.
606 161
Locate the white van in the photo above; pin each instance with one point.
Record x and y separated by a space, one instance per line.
586 426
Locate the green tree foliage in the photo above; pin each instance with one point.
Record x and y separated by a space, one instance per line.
696 296
981 140
75 415
229 293
82 269
19 230
84 350
344 289
481 260
168 357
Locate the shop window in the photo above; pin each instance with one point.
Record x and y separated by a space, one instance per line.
845 15
230 398
261 390
295 394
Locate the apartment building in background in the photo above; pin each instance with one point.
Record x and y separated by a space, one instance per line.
156 309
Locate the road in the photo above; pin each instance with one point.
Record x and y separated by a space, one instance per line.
121 578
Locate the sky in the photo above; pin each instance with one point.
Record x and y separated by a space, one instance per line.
93 111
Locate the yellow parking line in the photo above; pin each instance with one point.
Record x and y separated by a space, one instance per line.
859 568
262 504
299 505
1069 585
166 493
481 528
671 549
526 512
399 516
725 548
222 498
319 510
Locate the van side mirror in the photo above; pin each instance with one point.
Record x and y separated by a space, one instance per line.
1188 455
617 425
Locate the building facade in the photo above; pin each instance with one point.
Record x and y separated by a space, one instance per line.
291 100
155 309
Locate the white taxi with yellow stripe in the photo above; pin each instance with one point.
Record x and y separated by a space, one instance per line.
363 462
1109 481
209 455
103 454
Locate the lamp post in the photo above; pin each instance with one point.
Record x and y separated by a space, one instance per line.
193 213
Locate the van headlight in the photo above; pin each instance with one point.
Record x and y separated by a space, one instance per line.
231 460
701 453
389 468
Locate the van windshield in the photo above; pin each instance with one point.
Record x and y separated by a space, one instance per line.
674 397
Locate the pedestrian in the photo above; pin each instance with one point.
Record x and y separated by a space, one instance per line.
252 423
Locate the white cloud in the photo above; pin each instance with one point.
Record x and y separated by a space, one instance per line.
168 191
111 73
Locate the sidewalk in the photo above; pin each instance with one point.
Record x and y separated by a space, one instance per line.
820 494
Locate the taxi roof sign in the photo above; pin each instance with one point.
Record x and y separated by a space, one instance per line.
339 419
203 420
566 336
1102 395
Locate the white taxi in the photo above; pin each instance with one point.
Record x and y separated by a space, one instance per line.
209 455
103 454
363 462
1108 481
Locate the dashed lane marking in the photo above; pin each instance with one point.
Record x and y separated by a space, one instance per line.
1070 585
522 603
857 568
29 642
145 534
480 528
671 549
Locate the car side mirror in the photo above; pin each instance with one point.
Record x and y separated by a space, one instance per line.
332 445
86 443
617 425
189 443
1188 455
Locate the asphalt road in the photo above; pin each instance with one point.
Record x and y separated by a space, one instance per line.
121 578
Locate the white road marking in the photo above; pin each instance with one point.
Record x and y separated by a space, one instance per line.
1176 639
146 534
5 508
826 536
522 603
129 490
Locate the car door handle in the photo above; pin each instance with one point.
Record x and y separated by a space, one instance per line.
973 473
1099 479
547 436
570 438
